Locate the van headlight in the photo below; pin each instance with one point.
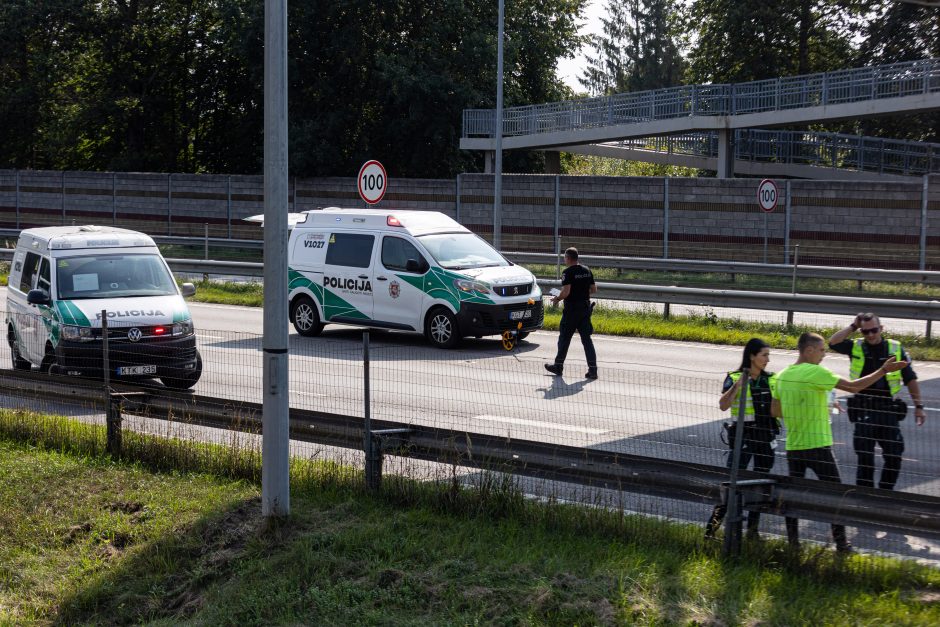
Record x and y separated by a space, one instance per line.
73 333
183 328
467 286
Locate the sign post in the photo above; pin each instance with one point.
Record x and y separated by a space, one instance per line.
372 181
767 200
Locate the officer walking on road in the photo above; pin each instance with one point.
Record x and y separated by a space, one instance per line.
577 285
876 410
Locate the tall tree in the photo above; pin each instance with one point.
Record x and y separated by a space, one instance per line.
743 40
900 31
638 50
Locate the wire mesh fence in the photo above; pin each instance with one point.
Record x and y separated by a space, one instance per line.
664 408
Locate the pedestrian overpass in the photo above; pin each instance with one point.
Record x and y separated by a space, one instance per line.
627 125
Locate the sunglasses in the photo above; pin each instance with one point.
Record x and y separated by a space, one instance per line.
870 331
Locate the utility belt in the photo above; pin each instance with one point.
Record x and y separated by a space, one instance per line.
752 431
876 410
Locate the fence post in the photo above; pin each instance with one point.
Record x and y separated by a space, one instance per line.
457 200
372 446
228 204
732 545
16 177
169 204
666 217
62 205
206 241
786 226
557 234
925 192
113 198
796 263
113 409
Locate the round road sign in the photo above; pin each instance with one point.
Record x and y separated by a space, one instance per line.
767 195
372 181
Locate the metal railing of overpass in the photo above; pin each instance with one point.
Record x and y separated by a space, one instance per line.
829 150
873 83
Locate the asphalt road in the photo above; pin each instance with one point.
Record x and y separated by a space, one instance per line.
653 397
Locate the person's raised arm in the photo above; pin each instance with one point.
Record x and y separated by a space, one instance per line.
727 397
842 334
857 385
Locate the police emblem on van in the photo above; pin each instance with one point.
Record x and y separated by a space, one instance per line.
394 289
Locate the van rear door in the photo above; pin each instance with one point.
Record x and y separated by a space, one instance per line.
347 277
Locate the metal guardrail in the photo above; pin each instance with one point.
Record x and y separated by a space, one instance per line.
830 88
834 150
651 264
742 299
786 496
658 264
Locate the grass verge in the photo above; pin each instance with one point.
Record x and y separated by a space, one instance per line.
89 540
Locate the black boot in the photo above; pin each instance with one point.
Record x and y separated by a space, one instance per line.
554 368
591 373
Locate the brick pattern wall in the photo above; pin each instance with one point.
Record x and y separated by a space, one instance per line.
870 224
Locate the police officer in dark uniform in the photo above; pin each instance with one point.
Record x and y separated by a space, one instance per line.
877 410
577 285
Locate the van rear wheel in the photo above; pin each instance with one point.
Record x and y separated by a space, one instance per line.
441 328
304 317
18 362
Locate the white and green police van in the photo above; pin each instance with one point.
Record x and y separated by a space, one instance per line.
415 271
61 280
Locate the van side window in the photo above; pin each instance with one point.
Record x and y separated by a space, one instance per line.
350 249
44 283
30 268
397 251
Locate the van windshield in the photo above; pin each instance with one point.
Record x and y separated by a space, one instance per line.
113 276
461 251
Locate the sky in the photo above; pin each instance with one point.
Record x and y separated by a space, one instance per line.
570 69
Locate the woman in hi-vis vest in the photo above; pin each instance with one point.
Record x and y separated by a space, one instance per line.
760 428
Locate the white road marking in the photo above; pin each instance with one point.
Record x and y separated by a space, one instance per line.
540 424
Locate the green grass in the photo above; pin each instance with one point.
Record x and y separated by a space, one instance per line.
90 541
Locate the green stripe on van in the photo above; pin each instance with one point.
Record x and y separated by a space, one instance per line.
71 314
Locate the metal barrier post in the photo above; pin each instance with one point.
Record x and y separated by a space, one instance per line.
923 222
666 217
796 263
206 241
732 544
113 410
372 450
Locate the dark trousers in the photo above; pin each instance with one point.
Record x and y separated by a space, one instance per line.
823 464
576 319
763 455
891 441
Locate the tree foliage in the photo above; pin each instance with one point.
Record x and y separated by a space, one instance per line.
638 50
177 85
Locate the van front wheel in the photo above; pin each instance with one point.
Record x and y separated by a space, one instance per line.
441 328
304 316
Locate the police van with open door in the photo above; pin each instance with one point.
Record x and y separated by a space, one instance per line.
417 271
62 279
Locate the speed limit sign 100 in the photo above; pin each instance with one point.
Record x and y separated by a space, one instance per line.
372 181
767 195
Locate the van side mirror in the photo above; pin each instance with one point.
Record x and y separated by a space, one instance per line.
187 289
38 297
413 265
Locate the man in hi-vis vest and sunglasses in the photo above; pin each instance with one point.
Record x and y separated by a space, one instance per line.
877 410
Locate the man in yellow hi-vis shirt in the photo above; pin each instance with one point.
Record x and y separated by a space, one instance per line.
800 394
